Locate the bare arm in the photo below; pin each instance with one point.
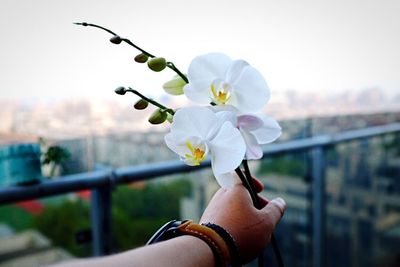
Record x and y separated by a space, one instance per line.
180 251
231 209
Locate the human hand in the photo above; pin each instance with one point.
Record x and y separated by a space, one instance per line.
232 209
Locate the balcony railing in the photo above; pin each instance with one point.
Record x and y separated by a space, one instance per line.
101 184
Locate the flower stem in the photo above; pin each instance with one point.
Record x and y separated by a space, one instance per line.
151 101
246 184
250 182
137 47
174 68
257 204
169 64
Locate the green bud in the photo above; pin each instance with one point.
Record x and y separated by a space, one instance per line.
158 117
115 39
174 86
120 90
157 64
141 104
141 58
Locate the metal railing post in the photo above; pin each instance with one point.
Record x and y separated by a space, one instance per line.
318 207
101 221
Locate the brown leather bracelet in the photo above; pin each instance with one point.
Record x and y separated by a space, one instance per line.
211 237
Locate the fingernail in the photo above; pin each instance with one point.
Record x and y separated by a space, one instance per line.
280 202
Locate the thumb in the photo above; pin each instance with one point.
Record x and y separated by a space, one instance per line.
274 211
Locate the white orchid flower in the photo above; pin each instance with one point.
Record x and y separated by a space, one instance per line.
256 130
198 133
216 78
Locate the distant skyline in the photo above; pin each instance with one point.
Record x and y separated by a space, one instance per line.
300 45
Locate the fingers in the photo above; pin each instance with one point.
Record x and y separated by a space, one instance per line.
259 187
274 210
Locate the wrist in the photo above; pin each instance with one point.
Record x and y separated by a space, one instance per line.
218 240
198 251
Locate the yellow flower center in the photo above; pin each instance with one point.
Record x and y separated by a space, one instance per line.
197 154
221 96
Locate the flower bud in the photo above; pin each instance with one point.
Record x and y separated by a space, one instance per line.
158 117
157 64
115 39
141 104
174 86
141 58
120 90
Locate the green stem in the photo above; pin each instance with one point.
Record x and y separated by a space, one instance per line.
246 184
137 47
151 101
172 66
169 64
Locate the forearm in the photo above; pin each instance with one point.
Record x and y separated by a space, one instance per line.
180 251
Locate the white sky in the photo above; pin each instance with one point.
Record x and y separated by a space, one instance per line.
296 44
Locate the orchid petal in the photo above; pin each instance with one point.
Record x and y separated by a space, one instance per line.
197 95
235 70
251 90
233 100
227 149
250 122
253 149
269 132
219 108
175 144
224 116
227 180
195 121
206 68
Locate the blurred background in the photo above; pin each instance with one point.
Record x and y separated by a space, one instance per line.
334 72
